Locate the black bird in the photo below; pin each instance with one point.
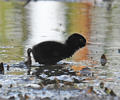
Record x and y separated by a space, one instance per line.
50 52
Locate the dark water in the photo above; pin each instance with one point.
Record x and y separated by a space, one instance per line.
22 27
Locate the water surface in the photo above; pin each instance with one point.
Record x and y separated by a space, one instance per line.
22 27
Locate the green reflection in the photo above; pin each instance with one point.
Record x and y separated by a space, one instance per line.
13 32
78 17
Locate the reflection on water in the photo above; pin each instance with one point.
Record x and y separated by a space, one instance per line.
37 22
12 31
21 28
105 39
79 20
47 21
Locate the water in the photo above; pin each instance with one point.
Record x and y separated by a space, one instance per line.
22 27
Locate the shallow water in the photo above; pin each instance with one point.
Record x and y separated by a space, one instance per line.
22 27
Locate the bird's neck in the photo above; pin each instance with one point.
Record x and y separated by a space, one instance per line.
71 51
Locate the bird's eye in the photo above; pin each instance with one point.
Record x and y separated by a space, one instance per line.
81 40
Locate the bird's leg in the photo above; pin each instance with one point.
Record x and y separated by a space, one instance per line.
28 62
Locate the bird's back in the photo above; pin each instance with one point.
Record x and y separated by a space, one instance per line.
49 52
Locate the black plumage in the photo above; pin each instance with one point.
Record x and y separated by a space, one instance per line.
50 52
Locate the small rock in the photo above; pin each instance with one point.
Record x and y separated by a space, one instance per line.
8 67
118 50
26 97
112 93
21 96
103 60
0 85
1 68
12 98
102 85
